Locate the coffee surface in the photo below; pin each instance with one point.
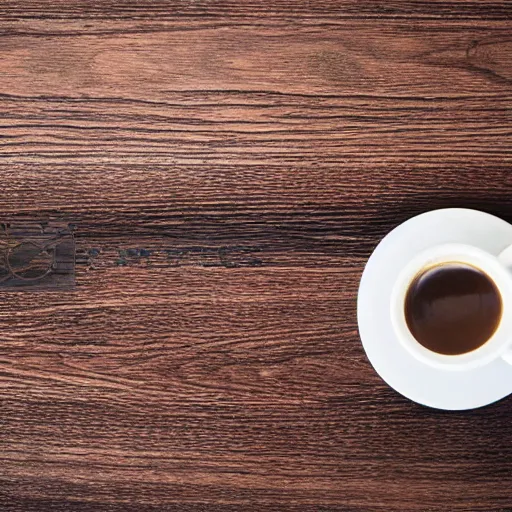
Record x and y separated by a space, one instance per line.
452 308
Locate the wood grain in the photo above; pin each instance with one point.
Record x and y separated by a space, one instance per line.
228 167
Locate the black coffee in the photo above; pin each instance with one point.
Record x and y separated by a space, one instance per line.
452 308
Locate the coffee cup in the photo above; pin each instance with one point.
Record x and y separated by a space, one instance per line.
460 294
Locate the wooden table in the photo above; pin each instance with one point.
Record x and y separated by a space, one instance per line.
228 167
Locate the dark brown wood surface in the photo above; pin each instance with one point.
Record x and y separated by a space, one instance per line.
229 166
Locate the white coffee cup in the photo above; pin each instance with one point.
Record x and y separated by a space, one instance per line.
495 267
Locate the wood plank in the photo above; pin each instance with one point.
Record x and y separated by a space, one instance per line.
228 167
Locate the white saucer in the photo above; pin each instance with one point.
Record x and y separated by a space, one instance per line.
426 385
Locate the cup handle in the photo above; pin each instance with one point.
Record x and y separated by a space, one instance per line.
505 257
